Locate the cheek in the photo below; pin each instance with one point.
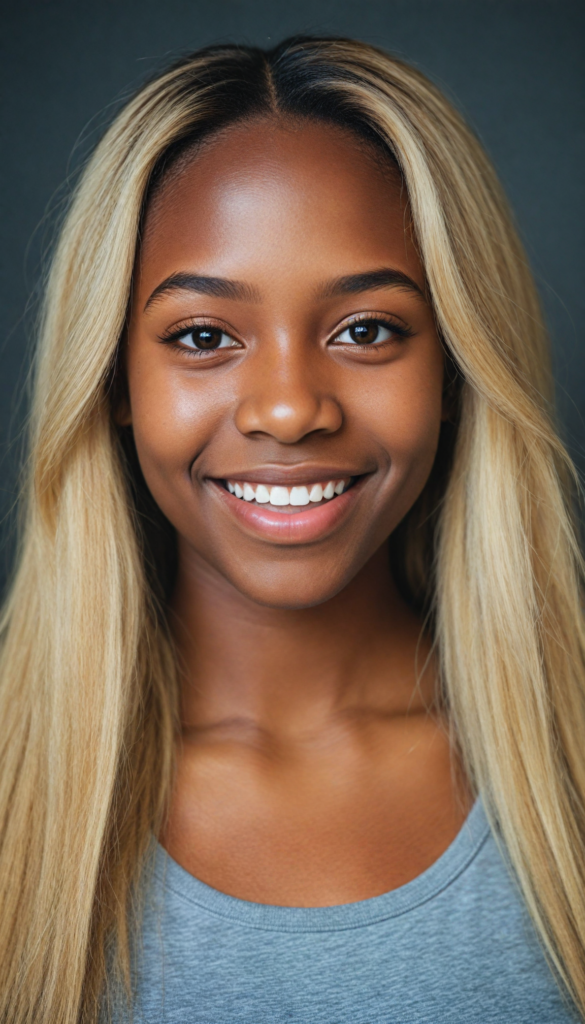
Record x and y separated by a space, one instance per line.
171 422
415 423
407 419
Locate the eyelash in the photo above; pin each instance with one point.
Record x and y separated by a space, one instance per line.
399 330
173 337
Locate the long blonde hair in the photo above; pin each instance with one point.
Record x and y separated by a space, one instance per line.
88 692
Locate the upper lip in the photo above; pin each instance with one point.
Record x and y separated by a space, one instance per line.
289 476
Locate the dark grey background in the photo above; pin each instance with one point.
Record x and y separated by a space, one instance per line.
516 68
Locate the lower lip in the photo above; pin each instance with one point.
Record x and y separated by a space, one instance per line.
291 527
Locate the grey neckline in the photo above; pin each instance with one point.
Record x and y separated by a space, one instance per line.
434 880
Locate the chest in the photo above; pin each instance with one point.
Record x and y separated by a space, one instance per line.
454 945
332 826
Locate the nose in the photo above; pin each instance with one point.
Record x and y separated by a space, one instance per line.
284 399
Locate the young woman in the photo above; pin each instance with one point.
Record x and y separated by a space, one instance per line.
293 666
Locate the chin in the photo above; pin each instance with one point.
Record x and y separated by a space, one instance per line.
292 590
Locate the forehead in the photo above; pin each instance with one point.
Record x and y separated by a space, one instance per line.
271 192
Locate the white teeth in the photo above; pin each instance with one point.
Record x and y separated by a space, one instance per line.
299 496
262 494
279 496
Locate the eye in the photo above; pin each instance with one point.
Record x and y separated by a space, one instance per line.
366 332
206 338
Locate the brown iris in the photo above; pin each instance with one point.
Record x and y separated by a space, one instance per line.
206 337
364 333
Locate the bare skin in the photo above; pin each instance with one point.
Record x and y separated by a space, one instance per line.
312 766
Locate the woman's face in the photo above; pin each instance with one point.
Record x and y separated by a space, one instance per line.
281 351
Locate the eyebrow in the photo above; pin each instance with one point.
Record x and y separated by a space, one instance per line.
385 277
224 288
219 287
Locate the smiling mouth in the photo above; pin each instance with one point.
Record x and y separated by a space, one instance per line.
277 498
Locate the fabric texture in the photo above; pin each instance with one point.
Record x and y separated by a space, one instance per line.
454 946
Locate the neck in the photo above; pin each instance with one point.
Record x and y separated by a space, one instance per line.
289 671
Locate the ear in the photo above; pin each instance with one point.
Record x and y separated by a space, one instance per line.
120 397
451 387
123 413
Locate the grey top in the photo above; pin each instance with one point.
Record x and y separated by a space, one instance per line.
454 946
